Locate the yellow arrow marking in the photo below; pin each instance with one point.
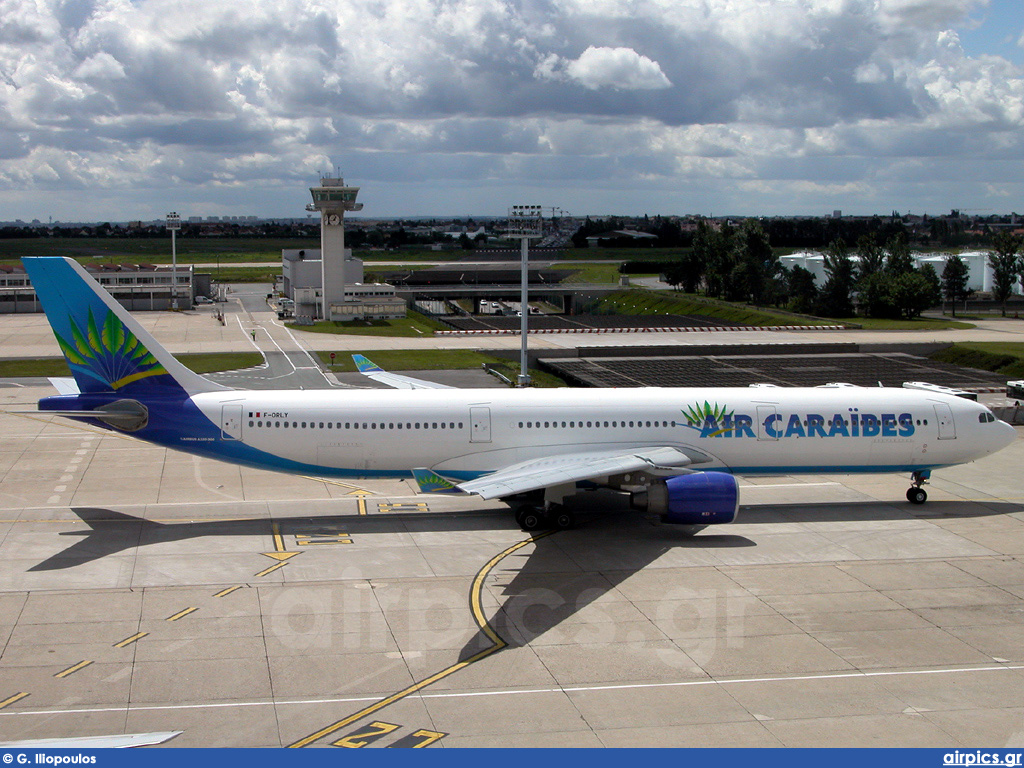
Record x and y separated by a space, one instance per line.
361 505
280 556
279 552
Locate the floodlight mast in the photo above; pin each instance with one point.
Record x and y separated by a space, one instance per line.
174 224
524 222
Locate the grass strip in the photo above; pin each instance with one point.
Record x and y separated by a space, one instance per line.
1003 357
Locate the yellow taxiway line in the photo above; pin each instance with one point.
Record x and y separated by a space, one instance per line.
476 607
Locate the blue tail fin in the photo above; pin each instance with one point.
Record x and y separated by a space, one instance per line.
105 347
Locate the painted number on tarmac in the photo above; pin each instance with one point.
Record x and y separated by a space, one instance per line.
377 730
367 735
418 740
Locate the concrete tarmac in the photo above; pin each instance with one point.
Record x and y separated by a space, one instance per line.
144 590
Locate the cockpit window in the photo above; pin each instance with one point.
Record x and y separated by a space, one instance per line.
986 417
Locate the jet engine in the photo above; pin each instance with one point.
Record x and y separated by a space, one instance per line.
696 499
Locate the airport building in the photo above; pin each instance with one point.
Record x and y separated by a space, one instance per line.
979 273
328 284
302 282
136 286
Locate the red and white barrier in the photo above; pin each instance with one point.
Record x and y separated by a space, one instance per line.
681 329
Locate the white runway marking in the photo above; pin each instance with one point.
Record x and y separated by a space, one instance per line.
522 692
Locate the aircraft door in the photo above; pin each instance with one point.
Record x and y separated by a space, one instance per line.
944 418
767 428
479 424
231 422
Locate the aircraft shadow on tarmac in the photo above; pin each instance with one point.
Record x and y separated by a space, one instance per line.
606 522
541 596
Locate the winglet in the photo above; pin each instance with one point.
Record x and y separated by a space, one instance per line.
364 365
431 482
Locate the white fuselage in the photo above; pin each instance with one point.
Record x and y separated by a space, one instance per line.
463 433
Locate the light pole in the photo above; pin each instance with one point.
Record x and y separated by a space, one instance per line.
174 224
524 222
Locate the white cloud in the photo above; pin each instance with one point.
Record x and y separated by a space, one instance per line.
109 94
619 68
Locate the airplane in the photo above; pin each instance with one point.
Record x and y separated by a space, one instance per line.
675 451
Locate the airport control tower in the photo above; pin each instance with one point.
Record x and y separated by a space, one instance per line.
332 198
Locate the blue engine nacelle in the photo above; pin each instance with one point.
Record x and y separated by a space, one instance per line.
699 498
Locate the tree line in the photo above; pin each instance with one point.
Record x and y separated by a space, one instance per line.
739 264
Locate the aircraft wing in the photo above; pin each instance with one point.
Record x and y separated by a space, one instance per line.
376 373
574 467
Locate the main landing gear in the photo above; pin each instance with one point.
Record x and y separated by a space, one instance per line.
537 517
916 494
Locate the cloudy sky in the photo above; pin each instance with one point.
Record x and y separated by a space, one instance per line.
124 109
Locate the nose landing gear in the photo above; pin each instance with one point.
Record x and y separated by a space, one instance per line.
916 494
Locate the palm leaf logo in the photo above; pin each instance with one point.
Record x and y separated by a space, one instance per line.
697 415
108 352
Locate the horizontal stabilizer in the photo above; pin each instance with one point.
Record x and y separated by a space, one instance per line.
116 741
65 385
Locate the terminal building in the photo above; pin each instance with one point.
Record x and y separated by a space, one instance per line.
136 286
328 284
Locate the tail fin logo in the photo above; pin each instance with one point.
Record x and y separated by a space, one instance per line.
108 352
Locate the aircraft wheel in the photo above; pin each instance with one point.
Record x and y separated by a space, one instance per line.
564 519
917 495
530 519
